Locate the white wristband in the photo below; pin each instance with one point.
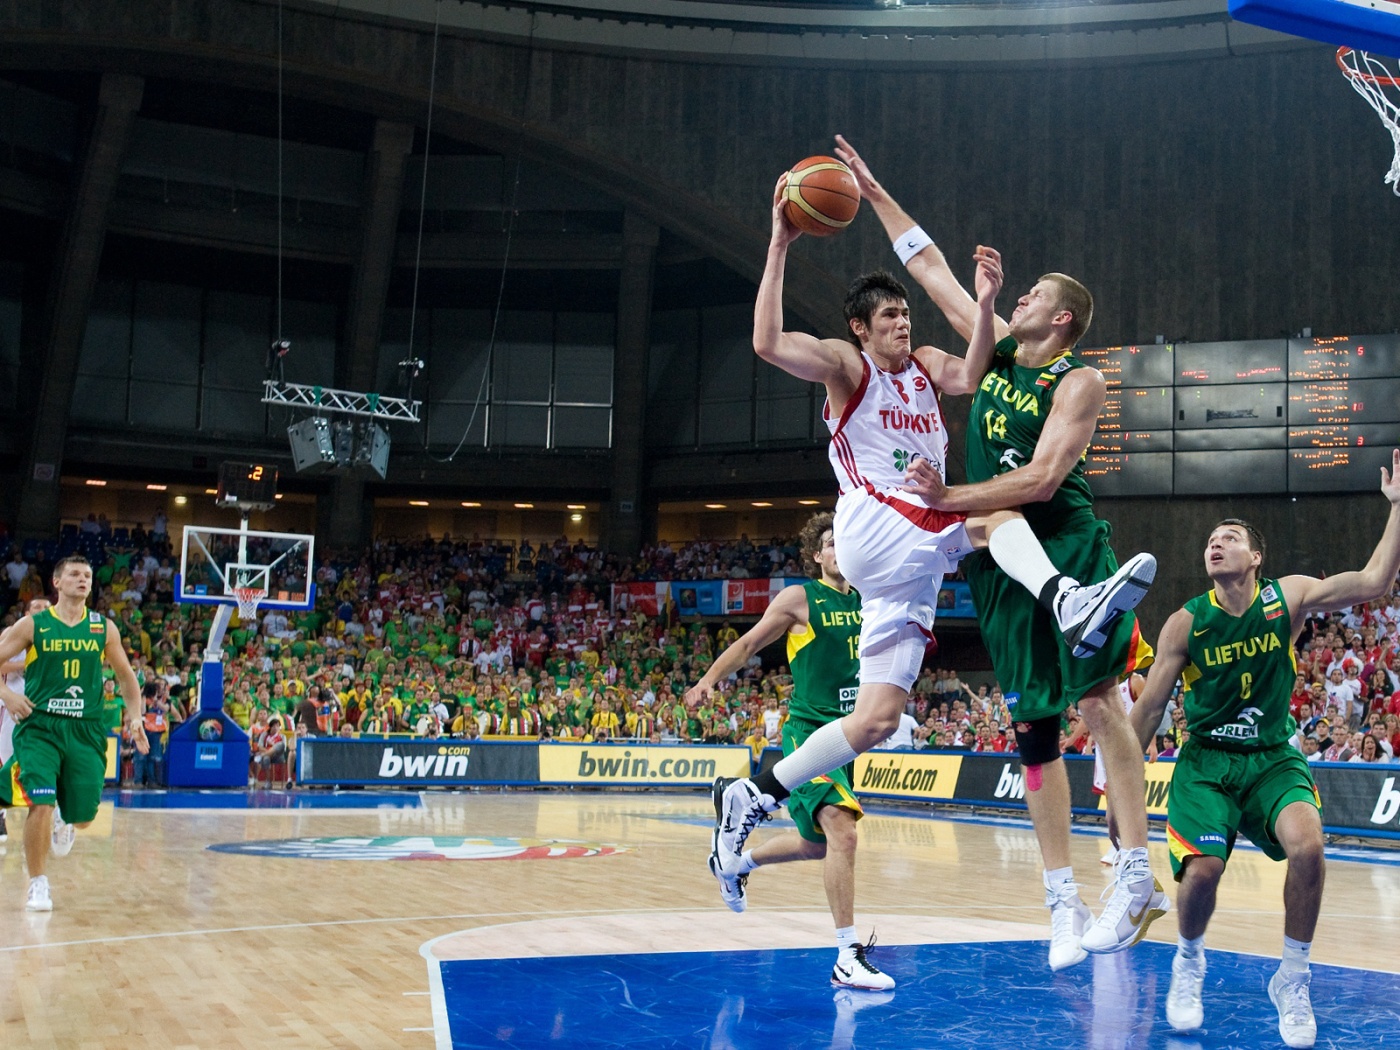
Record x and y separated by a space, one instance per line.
910 243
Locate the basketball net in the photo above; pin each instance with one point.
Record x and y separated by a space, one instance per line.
248 599
1371 78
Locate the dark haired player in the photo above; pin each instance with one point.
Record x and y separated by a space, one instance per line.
882 407
1232 647
60 741
1033 415
821 622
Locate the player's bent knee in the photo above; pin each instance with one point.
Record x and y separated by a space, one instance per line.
1038 741
865 729
84 824
1202 870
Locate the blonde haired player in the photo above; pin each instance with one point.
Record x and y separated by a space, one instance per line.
1033 416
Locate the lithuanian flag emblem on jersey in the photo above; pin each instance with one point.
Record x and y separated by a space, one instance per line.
97 623
1045 379
1273 603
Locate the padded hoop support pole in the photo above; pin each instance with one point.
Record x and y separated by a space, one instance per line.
211 672
214 651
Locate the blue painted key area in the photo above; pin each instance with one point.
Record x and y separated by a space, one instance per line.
955 996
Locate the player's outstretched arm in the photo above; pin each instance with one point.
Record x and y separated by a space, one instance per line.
962 375
126 682
797 353
1170 661
1305 594
786 611
928 266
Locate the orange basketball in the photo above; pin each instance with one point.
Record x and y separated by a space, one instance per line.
821 196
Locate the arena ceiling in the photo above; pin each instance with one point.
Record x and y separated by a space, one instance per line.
846 32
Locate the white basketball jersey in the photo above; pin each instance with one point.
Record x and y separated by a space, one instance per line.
890 419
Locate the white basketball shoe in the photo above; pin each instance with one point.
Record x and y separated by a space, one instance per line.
1184 1010
1086 613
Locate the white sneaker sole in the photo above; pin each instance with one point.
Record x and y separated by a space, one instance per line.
1134 578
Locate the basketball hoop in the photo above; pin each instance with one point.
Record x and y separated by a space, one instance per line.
248 599
1371 78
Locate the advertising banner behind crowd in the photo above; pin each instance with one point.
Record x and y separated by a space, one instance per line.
908 774
1359 799
678 765
404 763
746 597
1356 800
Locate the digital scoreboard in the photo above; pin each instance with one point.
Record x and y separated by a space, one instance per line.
1253 416
251 485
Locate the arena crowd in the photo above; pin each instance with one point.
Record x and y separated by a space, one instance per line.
470 639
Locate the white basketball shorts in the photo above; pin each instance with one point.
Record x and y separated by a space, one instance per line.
895 553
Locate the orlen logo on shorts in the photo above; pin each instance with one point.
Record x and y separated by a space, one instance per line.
1009 784
448 762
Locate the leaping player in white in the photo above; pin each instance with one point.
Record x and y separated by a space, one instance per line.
883 412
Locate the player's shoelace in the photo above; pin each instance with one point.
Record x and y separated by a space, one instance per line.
1297 1003
754 815
858 950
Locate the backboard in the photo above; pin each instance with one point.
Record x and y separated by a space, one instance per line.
215 563
1366 25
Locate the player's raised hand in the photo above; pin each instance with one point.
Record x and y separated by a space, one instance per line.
870 189
784 232
923 479
989 276
1390 479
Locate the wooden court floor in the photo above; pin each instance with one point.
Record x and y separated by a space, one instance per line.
158 941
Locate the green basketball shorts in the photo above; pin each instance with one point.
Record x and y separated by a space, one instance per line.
1216 794
834 789
1037 673
57 761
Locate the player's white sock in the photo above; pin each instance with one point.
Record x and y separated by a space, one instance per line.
1060 881
1020 555
1190 947
846 939
1295 955
820 753
746 863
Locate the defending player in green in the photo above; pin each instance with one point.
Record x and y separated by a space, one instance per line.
1232 648
821 620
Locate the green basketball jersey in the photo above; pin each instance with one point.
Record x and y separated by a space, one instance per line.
1008 413
825 658
63 668
1241 671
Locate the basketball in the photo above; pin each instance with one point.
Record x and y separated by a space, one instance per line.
821 197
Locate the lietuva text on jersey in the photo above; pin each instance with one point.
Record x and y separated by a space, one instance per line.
70 645
892 419
1020 400
1215 656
